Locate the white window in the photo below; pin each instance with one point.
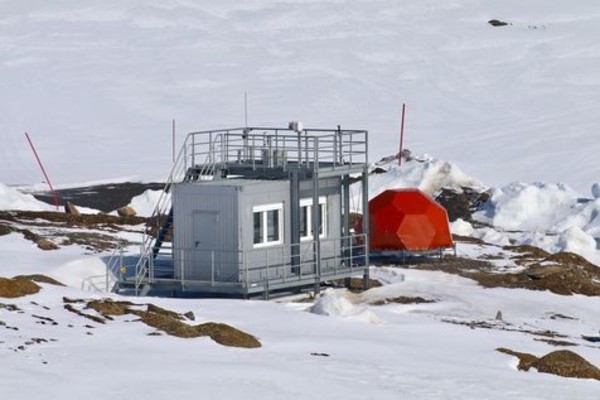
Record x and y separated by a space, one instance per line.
268 224
306 218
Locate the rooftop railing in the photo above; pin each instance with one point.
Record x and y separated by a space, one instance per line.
277 147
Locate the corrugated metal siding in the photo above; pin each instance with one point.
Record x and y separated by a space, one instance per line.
227 211
267 192
331 189
216 258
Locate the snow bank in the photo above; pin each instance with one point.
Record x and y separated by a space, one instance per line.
492 236
540 207
461 227
429 175
548 216
573 240
337 304
145 203
75 273
537 206
12 199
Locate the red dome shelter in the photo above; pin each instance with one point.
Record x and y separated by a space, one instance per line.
407 219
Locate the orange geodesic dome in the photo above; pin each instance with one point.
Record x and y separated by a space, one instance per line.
407 219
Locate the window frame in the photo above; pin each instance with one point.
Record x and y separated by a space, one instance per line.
263 210
307 203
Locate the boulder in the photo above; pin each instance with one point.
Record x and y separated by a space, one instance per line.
568 364
461 204
46 244
71 209
126 211
497 22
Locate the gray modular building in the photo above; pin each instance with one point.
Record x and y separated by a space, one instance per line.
256 210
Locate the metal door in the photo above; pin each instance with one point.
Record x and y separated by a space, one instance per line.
206 248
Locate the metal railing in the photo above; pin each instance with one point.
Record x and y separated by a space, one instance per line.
281 264
270 147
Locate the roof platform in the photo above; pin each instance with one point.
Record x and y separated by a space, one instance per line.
272 153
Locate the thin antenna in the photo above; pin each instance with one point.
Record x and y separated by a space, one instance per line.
246 108
173 135
401 134
37 157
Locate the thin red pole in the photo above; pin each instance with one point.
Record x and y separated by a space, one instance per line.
401 134
54 195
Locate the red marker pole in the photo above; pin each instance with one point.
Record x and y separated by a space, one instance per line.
54 195
401 134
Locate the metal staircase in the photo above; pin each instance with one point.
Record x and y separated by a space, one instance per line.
160 223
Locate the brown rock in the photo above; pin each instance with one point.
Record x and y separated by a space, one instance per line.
17 287
71 209
126 212
5 229
221 333
46 244
568 364
561 362
40 279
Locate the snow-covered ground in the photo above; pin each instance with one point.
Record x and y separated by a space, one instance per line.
343 345
361 351
511 109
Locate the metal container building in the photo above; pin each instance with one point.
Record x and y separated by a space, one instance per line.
255 210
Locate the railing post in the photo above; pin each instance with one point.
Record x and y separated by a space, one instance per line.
193 151
267 261
341 146
306 147
351 148
267 274
181 264
212 268
245 268
108 268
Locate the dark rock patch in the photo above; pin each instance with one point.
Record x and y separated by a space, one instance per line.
497 23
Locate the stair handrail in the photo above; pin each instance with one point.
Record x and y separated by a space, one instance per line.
144 266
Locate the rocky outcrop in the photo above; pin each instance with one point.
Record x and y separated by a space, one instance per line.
461 204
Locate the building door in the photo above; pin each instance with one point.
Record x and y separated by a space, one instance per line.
205 246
